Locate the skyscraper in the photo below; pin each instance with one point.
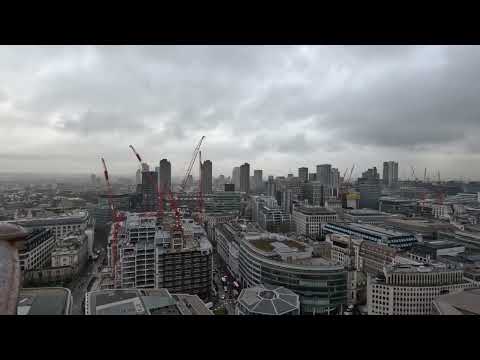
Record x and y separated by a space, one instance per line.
258 180
324 174
138 177
207 177
303 174
145 167
149 190
236 177
245 178
335 179
369 188
165 175
390 173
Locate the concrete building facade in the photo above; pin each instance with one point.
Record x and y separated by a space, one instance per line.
411 289
308 220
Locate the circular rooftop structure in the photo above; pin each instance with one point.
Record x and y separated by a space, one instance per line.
268 300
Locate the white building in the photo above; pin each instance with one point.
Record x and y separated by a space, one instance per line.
308 219
409 289
61 225
71 250
343 250
151 255
36 251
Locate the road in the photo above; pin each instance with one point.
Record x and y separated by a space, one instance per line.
229 302
79 286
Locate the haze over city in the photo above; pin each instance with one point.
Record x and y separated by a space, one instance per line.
276 107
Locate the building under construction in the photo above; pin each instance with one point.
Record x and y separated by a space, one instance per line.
151 253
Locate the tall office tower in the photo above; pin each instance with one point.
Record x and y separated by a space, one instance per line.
165 176
207 177
314 193
149 190
390 173
369 189
303 174
245 178
138 177
145 167
312 177
271 187
258 180
335 181
236 177
270 177
324 174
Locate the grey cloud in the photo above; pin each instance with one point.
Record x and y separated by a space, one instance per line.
93 123
344 98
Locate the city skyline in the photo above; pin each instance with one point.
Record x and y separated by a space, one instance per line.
275 107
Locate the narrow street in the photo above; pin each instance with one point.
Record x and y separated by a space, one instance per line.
80 285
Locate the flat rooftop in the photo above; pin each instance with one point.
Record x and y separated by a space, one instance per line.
466 302
366 212
44 301
376 230
440 244
314 210
143 302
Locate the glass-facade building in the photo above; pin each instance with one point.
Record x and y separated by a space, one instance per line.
321 285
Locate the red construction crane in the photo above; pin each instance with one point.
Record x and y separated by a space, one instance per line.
192 161
173 203
117 218
156 185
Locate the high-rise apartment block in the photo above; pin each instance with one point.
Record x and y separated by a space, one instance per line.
245 178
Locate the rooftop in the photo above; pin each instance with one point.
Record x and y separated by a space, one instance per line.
314 210
366 212
374 229
466 302
44 301
269 300
143 302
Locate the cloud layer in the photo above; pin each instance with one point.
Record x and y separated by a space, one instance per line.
277 107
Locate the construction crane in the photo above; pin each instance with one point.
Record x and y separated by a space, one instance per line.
350 175
192 161
155 184
173 204
117 218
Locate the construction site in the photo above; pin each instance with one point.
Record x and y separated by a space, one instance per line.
160 245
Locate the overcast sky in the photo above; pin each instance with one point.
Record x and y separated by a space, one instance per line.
276 107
